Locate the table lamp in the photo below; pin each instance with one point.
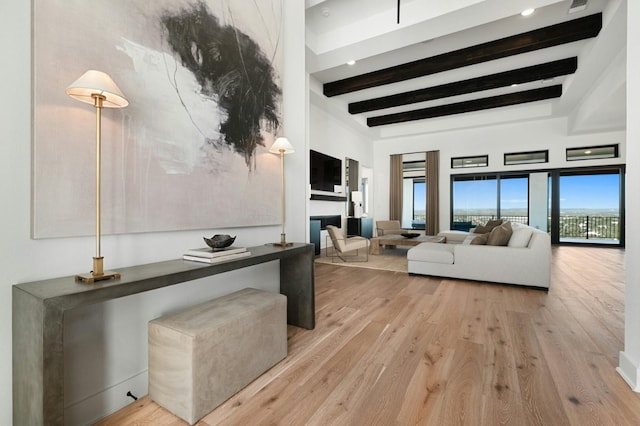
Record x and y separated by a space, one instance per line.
98 89
356 198
282 146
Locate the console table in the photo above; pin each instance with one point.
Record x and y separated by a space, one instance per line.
39 307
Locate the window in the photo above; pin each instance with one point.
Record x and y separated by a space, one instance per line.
412 169
419 204
575 205
475 199
414 194
592 153
463 162
526 158
514 198
589 207
479 198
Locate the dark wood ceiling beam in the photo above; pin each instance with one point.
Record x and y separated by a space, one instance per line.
468 106
493 81
554 35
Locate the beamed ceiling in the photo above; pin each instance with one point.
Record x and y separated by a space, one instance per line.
479 56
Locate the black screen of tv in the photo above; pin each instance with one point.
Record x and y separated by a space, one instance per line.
326 171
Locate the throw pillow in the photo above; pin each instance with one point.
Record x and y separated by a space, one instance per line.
488 227
468 239
500 235
478 230
480 240
520 237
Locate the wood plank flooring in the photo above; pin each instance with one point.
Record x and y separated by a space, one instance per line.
394 349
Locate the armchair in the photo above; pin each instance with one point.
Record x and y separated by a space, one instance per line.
386 227
389 227
347 248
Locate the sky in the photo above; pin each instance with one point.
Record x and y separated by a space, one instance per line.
576 192
419 195
591 191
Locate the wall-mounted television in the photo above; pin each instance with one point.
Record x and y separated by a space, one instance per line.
326 172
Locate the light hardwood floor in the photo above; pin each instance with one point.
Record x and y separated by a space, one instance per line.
393 349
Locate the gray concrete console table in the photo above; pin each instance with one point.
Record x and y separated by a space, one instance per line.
39 307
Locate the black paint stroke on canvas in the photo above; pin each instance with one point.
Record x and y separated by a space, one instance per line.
229 65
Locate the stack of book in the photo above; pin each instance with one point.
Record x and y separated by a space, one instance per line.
208 255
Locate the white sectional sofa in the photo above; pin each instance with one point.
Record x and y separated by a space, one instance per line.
524 261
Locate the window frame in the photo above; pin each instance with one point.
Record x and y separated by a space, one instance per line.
544 152
467 159
418 180
554 206
471 177
586 157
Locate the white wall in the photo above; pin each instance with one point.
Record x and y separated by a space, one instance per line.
493 141
334 137
629 366
107 343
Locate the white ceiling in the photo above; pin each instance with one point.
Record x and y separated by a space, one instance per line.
366 31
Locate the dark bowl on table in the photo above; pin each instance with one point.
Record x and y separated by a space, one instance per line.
409 234
219 241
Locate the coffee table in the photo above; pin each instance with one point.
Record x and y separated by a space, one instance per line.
395 240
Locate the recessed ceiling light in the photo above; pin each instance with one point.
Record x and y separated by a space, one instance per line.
351 62
527 12
588 151
514 85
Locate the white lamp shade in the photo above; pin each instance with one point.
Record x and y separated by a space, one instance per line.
96 82
356 196
281 144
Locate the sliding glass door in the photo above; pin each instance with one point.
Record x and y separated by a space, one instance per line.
590 207
575 206
474 199
477 199
514 198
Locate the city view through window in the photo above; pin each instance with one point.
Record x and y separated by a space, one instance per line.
590 207
589 204
419 201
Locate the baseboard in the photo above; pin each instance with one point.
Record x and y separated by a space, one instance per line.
629 371
106 402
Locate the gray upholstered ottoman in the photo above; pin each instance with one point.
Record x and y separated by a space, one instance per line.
201 356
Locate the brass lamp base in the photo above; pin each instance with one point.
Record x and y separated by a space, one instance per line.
283 241
281 244
91 278
97 274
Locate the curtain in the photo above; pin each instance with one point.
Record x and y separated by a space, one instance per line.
432 172
395 188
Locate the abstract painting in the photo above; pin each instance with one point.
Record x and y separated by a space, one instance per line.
191 150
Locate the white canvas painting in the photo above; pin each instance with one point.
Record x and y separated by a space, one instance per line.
190 151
